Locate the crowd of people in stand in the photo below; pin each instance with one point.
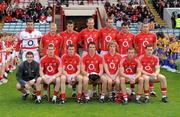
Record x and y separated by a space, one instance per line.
130 12
161 4
35 11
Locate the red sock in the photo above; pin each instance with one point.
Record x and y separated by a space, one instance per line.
55 93
151 86
38 93
125 96
164 91
146 92
1 78
79 95
63 96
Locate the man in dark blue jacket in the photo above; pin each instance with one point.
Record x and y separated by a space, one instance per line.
27 73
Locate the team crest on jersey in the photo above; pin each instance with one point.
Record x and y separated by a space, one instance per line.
75 38
54 64
96 61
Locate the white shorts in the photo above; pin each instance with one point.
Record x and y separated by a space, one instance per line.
123 55
113 76
103 53
3 59
132 76
35 52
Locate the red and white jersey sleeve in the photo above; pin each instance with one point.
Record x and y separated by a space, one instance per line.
130 66
106 35
92 63
89 36
50 65
71 63
142 40
124 41
149 63
112 62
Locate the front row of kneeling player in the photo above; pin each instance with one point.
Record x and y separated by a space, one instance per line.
72 69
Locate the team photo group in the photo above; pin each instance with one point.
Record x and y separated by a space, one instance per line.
108 62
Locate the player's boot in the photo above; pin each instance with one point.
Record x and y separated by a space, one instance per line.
102 99
125 101
38 101
146 99
153 94
165 99
24 96
138 101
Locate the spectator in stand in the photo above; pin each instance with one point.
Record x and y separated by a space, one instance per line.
42 19
49 18
8 18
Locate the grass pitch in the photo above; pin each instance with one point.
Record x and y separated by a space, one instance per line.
11 104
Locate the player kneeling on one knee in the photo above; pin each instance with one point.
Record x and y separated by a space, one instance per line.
26 75
130 72
111 62
50 72
151 73
71 72
92 70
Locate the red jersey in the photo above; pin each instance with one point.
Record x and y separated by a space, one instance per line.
130 66
56 40
72 38
112 62
71 63
149 63
124 41
105 36
142 40
89 36
92 63
50 65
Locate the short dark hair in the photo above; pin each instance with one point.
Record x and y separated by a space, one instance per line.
91 43
149 45
130 48
70 45
29 20
109 18
70 22
29 53
50 45
125 24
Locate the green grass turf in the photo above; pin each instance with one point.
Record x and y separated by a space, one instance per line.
11 104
